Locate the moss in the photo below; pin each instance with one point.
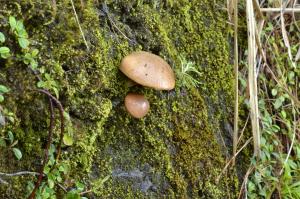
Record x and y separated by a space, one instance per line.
174 151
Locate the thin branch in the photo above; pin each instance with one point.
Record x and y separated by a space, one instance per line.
85 192
62 187
243 130
245 181
111 21
258 9
77 20
20 173
229 162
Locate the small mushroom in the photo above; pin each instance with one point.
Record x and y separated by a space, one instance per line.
148 70
137 105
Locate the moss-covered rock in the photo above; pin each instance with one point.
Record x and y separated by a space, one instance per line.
174 152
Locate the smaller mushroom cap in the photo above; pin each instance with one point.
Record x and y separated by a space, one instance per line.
137 105
148 70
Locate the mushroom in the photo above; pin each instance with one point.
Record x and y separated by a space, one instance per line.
148 70
137 105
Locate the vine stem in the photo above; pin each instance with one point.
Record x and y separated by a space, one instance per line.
46 156
62 120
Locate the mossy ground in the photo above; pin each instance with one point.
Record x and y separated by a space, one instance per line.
175 148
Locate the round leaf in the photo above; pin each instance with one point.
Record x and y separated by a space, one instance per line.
4 50
3 89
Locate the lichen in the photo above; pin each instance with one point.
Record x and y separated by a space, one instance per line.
175 148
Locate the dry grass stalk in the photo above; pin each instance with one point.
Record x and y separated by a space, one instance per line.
286 10
298 55
236 72
252 77
285 37
244 184
230 10
257 9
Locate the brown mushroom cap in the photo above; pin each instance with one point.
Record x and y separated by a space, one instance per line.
137 105
148 70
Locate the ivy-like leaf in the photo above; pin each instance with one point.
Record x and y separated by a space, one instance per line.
17 153
3 89
2 37
34 52
33 64
12 23
278 103
22 33
23 42
19 27
5 55
41 84
10 136
4 50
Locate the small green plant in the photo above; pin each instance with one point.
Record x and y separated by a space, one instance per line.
48 83
29 56
277 172
3 90
57 176
17 27
186 72
4 51
11 144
